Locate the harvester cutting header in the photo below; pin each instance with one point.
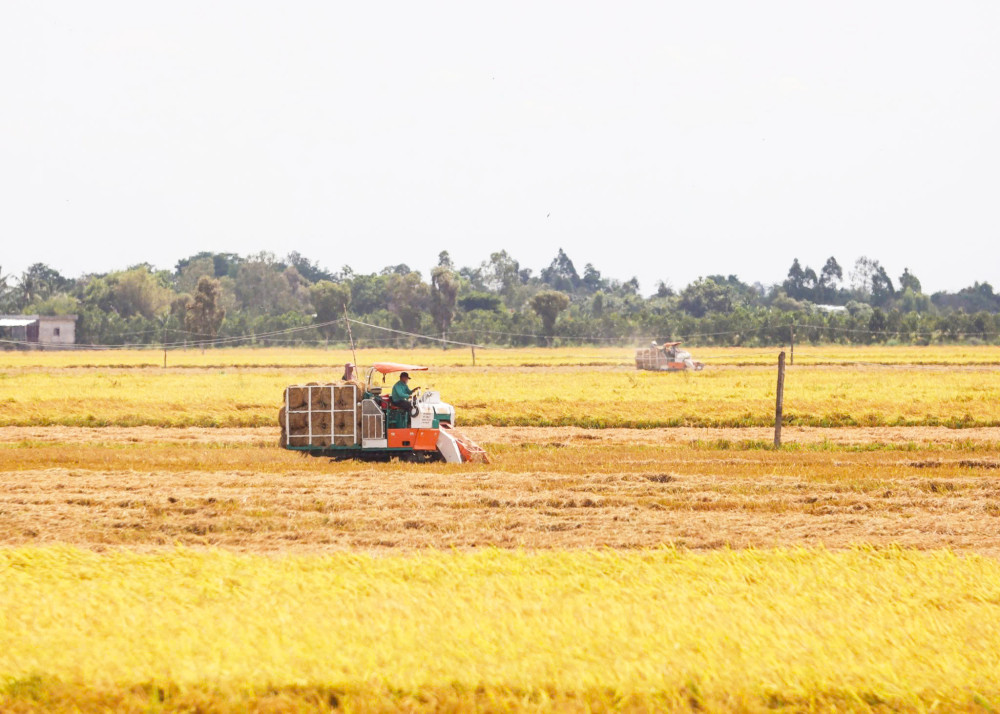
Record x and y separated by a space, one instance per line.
351 419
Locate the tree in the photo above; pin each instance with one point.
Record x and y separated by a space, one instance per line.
829 280
178 306
408 296
6 292
705 295
262 287
592 281
561 275
308 269
190 270
547 304
914 302
219 265
909 280
55 304
810 285
795 282
877 324
444 292
882 290
38 282
444 260
861 277
629 287
205 312
500 274
400 269
480 301
597 304
138 292
330 300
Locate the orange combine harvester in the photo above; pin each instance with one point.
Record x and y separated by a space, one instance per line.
351 419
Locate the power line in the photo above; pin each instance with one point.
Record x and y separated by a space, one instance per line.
414 334
270 336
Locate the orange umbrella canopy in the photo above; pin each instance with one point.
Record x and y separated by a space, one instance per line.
387 367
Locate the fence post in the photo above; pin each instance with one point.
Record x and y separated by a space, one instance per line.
473 355
779 401
791 344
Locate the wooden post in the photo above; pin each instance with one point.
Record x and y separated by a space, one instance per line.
347 321
791 344
473 355
780 400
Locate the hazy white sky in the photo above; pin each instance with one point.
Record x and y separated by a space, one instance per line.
665 140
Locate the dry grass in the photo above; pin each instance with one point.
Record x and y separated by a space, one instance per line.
553 489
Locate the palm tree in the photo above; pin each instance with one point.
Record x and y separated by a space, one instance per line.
6 291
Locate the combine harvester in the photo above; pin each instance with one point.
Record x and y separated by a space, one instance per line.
354 420
666 358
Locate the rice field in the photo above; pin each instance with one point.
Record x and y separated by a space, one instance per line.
589 396
336 357
571 630
158 552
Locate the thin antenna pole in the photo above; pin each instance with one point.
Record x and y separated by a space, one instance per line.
347 320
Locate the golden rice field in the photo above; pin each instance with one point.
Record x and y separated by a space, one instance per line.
495 357
159 553
596 397
498 630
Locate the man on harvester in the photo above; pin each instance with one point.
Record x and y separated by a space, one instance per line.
401 392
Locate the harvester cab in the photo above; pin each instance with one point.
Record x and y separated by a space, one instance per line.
424 409
353 419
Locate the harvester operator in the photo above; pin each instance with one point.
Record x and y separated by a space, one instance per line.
401 392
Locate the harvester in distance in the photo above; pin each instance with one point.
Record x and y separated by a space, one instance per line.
666 358
351 419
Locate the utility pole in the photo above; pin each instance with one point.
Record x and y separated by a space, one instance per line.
779 403
347 321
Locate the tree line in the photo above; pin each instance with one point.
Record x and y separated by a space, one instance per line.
208 296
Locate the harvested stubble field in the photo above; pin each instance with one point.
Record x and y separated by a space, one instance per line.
546 488
175 559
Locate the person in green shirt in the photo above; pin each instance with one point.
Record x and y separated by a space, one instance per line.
401 392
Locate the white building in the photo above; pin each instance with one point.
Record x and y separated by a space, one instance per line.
41 330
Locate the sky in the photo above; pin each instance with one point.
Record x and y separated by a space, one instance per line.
661 140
